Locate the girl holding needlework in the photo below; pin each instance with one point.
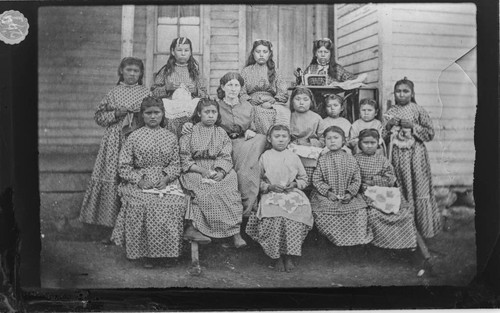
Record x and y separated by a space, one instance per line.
208 176
340 213
101 203
181 70
150 225
408 126
264 87
284 217
389 217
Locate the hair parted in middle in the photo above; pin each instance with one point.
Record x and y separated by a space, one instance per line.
368 132
192 64
226 79
149 102
130 61
205 102
271 66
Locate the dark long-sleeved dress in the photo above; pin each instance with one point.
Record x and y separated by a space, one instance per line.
412 167
149 225
236 120
215 208
392 231
101 203
343 224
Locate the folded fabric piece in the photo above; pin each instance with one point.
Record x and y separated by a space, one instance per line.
287 201
130 122
181 104
169 190
309 152
351 84
385 199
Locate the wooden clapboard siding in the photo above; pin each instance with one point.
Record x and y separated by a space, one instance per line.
140 34
224 43
427 39
79 52
357 39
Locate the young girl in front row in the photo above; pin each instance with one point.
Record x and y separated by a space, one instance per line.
101 203
340 213
284 216
335 109
304 127
389 217
368 110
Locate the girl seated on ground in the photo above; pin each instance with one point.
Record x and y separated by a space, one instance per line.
340 213
389 215
150 225
284 217
368 110
208 176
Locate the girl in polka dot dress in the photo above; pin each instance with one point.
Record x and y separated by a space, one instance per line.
208 176
410 158
181 69
101 203
284 216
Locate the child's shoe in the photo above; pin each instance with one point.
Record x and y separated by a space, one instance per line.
238 241
193 234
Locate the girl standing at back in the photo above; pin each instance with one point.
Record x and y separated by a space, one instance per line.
411 161
264 87
101 203
335 109
181 70
284 216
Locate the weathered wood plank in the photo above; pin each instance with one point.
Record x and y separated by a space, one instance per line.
435 29
216 57
362 67
443 17
352 25
462 8
358 35
224 15
230 66
232 23
432 40
234 48
350 8
224 8
359 56
226 31
353 47
223 40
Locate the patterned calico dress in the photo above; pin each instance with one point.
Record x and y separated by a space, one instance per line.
164 87
101 203
392 231
215 209
360 125
282 220
304 130
149 225
236 120
257 87
343 224
413 169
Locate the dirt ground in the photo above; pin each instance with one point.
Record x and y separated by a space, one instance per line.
77 259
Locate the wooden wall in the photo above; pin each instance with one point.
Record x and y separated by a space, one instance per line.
79 53
357 39
421 42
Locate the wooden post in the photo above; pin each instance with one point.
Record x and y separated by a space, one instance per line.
128 12
195 260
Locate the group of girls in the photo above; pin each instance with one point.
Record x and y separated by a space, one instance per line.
195 178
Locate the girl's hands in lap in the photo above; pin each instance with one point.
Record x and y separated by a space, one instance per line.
249 134
161 184
187 128
145 184
218 176
276 188
331 196
406 123
347 198
266 105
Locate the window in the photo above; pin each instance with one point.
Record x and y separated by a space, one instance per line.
174 21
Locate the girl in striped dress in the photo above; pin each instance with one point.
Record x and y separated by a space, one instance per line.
284 217
101 203
208 176
410 158
340 213
264 87
181 70
393 227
